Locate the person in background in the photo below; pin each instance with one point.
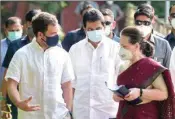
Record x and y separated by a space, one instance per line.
13 31
144 18
80 6
75 36
44 72
171 37
61 34
110 24
95 61
118 13
13 47
145 78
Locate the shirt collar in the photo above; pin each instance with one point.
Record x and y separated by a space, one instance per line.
116 38
36 45
151 39
89 44
171 36
8 41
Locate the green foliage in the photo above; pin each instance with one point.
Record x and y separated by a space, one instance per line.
159 6
5 13
123 4
51 7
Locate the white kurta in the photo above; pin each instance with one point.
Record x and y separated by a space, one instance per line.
40 74
92 68
172 66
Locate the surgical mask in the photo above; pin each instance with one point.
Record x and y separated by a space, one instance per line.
125 54
145 29
30 32
14 35
109 2
173 23
52 41
107 30
95 35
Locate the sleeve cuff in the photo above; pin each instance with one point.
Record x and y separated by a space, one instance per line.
11 77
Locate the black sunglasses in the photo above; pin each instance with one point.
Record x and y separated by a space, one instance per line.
172 15
108 23
139 22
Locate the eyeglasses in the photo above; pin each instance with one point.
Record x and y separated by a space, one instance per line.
108 23
172 15
139 22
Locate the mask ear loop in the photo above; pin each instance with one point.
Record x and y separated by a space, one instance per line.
43 38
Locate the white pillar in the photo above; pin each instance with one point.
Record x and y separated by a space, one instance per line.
167 7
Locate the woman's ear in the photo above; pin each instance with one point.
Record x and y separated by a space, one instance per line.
137 46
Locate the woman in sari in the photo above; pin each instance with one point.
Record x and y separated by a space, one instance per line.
146 79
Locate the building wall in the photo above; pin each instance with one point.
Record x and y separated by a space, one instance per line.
69 19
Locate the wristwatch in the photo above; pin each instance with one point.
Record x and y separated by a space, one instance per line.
141 92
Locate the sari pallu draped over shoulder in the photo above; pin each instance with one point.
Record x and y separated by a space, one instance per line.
141 75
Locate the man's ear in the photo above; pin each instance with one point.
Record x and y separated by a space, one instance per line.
84 29
5 31
113 25
169 19
153 20
22 27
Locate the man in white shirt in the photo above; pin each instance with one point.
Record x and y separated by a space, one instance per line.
95 61
172 66
44 72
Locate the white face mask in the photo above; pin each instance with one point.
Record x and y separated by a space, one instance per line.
107 30
145 29
14 35
95 35
109 2
173 23
125 54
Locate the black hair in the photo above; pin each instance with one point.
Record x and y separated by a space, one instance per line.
30 14
145 9
84 6
171 8
135 36
93 15
107 12
12 20
41 21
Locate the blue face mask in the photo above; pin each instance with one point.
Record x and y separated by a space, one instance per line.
14 35
95 35
52 41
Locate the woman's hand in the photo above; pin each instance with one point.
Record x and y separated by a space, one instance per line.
117 98
133 94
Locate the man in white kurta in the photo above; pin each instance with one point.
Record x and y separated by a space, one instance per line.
172 66
93 66
43 72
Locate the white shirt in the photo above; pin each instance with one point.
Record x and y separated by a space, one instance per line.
92 68
172 66
40 75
